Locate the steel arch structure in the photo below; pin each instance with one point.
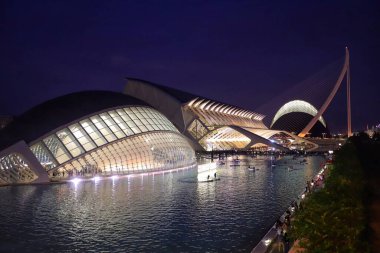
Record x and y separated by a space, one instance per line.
345 71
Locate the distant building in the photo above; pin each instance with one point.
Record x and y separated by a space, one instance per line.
374 129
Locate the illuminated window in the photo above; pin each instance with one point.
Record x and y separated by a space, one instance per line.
93 132
43 156
14 169
70 142
103 128
197 129
81 135
57 148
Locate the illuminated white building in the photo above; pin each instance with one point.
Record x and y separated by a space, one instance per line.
150 128
90 133
294 115
213 125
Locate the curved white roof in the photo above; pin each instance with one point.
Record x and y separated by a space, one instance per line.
297 106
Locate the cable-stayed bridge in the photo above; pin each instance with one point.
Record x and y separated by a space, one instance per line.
300 108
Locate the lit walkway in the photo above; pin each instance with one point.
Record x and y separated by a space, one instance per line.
271 243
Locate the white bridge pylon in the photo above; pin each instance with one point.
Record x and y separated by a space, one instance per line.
345 71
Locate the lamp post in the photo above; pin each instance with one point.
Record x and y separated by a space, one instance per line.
212 152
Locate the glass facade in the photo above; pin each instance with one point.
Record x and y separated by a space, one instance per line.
197 130
14 169
123 140
224 138
284 138
149 152
211 130
210 126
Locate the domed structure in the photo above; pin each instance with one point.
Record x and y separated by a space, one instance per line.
295 115
90 133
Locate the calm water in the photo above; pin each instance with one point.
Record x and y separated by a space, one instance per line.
153 213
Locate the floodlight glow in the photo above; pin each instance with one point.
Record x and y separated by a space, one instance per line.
267 242
96 179
75 180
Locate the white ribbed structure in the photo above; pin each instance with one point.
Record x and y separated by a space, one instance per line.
297 106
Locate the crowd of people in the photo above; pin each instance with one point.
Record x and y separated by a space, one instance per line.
83 172
283 224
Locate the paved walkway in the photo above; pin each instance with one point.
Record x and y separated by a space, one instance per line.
272 242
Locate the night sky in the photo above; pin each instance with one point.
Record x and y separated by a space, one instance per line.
238 52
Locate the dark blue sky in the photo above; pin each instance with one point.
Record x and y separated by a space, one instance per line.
238 52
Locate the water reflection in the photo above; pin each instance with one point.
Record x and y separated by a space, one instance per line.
168 212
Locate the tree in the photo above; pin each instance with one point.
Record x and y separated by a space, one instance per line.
333 219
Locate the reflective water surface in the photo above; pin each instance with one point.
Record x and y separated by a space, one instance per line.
154 213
